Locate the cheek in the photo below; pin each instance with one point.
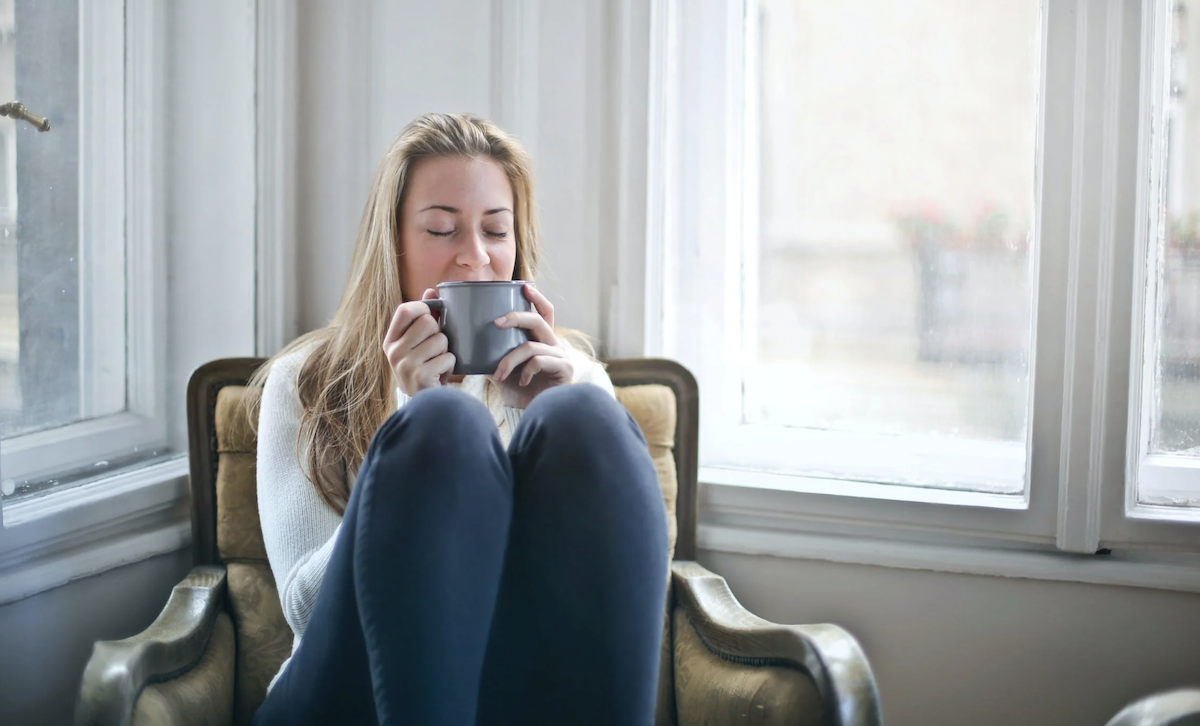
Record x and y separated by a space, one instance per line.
505 262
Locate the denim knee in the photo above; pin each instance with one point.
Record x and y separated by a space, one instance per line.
580 414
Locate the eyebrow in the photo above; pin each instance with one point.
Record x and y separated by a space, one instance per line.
453 210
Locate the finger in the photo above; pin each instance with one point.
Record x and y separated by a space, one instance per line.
429 294
404 316
557 369
430 348
522 353
421 329
533 322
439 365
434 371
541 303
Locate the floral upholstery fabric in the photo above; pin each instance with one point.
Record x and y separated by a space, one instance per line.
263 636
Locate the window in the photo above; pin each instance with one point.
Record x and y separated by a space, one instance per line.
1168 438
130 255
903 256
71 408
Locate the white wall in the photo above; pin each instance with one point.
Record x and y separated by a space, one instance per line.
987 651
46 640
367 68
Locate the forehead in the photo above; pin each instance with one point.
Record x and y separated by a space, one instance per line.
458 181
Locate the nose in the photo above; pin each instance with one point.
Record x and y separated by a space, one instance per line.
472 253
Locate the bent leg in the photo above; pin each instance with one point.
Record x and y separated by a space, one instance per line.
579 623
407 601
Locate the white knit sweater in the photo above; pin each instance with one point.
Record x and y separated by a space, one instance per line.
298 529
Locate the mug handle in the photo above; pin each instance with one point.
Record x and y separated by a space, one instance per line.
436 305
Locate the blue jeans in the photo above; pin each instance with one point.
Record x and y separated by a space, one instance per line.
470 584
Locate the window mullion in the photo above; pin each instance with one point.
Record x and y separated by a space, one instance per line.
1089 256
101 210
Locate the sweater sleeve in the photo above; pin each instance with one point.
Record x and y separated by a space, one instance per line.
298 529
590 370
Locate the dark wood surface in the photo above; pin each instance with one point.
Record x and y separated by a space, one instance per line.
204 385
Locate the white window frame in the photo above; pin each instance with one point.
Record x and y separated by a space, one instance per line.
219 272
1170 476
1085 223
118 288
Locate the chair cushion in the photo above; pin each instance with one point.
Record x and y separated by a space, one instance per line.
264 638
653 407
203 696
712 691
239 532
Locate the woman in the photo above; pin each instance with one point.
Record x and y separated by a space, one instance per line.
501 554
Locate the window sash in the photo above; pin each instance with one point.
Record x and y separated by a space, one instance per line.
121 301
1088 143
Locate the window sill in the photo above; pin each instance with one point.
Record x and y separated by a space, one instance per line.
745 519
67 535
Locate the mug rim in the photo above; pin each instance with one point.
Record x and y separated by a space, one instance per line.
464 283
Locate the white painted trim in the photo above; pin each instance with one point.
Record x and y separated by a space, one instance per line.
1151 128
514 81
63 449
1090 289
1167 477
72 533
146 267
101 208
662 149
859 489
1128 520
625 331
128 249
1161 572
276 149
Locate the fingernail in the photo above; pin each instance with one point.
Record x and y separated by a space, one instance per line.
500 375
501 321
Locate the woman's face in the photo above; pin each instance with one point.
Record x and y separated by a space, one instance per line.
456 223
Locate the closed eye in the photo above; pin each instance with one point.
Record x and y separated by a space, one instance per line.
499 235
440 234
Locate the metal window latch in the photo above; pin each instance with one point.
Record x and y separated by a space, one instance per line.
16 109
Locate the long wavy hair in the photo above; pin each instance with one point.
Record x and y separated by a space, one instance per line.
346 384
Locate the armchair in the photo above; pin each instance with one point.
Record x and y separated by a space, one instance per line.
208 657
1180 707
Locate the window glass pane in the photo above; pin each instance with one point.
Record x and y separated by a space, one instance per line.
1175 418
39 213
897 172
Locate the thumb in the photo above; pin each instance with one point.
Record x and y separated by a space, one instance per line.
429 294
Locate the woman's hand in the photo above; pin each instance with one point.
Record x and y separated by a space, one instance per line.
416 347
540 362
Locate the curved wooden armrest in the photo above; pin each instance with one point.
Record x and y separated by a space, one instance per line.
829 654
119 669
1171 708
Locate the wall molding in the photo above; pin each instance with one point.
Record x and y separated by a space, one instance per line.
276 108
514 71
1162 572
74 533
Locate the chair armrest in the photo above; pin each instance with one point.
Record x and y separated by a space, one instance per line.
828 653
119 669
1171 708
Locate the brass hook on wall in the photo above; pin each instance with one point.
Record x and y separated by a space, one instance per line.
16 109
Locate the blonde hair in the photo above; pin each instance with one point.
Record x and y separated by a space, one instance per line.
346 383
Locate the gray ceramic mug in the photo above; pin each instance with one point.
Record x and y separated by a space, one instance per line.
468 318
